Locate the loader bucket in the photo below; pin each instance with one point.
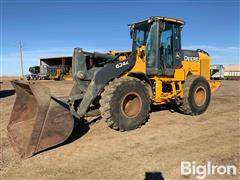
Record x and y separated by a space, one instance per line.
38 120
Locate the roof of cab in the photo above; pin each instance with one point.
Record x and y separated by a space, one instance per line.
156 18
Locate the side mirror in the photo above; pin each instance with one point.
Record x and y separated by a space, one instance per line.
178 55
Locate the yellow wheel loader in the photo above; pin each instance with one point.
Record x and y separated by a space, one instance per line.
119 87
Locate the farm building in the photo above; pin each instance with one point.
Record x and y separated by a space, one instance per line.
57 61
232 72
54 67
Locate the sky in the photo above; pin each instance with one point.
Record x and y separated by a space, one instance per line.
54 28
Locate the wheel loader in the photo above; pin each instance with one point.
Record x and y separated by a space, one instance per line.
119 87
56 72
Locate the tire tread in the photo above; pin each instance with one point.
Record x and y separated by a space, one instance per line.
105 101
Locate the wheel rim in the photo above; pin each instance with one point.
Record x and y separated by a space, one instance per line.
131 105
200 96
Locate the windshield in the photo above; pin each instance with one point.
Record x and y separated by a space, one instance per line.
146 34
151 47
140 34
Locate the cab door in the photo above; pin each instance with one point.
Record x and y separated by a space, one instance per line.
169 51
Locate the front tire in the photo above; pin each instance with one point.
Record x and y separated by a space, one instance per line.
125 104
196 95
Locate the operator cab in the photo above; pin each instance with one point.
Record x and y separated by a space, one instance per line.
161 37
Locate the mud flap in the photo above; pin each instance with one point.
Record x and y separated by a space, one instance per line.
38 120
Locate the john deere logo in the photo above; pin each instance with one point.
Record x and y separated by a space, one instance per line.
190 58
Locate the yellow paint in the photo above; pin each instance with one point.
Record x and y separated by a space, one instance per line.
205 65
114 53
140 65
158 89
214 85
191 67
161 97
199 67
180 93
170 19
174 91
58 73
179 75
68 77
121 58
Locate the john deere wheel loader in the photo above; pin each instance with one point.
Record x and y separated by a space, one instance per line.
119 87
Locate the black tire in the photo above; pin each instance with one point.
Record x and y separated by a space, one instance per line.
125 104
196 95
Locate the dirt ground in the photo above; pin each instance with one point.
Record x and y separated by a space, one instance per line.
155 150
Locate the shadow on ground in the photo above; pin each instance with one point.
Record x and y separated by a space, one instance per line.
153 176
166 107
6 93
81 127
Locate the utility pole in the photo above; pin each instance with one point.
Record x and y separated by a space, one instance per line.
20 46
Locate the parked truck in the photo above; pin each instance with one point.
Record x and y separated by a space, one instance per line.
217 71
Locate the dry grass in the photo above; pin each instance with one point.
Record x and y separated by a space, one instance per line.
159 146
8 78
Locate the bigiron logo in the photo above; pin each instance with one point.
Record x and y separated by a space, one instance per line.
201 171
190 58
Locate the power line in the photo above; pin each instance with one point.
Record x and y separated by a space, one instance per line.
20 46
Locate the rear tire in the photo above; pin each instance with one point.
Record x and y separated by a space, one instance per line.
125 104
196 95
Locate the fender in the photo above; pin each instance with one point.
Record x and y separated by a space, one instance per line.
143 77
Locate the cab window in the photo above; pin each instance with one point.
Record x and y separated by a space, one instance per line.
166 46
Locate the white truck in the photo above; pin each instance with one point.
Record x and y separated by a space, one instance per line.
217 71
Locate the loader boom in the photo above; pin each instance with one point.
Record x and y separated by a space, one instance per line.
89 83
